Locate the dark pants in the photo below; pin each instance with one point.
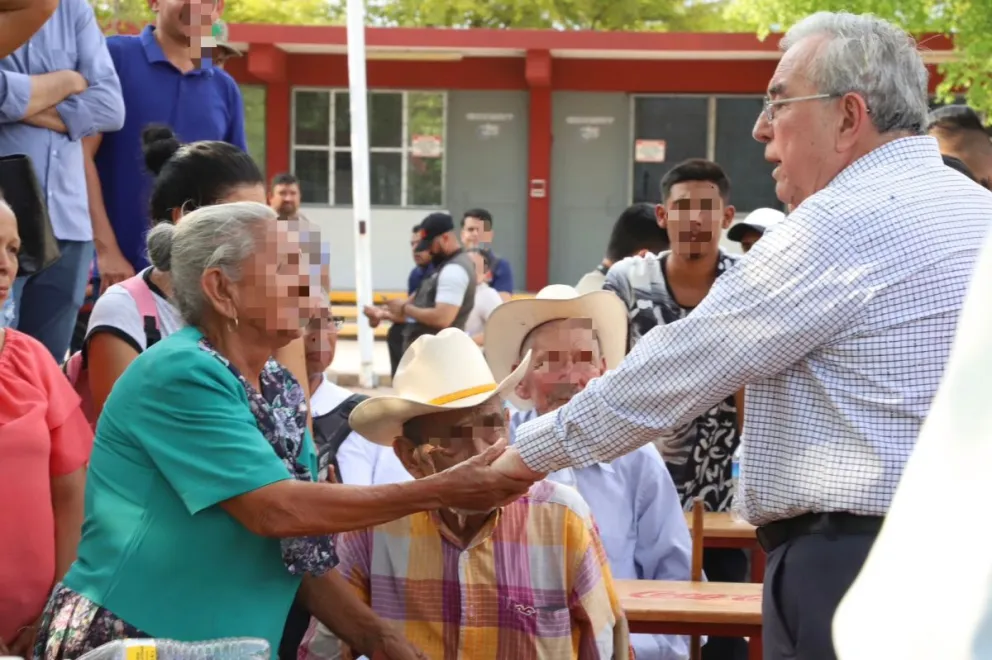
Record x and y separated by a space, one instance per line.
725 565
394 340
805 580
46 304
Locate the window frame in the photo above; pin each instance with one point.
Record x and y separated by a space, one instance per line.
404 149
711 130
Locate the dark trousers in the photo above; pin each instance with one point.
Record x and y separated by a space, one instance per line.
394 340
46 303
805 580
725 565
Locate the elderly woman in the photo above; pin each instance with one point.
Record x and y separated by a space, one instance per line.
44 444
202 517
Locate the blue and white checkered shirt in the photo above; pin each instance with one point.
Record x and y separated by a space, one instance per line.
840 321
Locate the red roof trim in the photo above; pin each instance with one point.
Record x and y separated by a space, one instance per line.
520 40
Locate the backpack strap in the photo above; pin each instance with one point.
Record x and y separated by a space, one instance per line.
330 431
143 297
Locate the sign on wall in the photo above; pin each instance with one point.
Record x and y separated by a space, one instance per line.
489 116
649 151
426 146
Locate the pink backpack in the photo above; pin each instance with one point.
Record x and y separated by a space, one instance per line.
75 367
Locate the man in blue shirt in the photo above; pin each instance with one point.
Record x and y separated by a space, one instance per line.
54 90
477 232
572 340
168 77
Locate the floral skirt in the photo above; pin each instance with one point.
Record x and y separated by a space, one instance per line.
73 625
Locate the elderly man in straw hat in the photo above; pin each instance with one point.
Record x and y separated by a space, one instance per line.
529 580
572 339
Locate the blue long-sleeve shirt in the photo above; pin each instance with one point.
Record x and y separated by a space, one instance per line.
70 40
640 520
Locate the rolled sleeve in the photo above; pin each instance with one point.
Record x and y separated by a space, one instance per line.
211 450
15 94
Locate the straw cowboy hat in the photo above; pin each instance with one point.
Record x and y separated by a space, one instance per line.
511 322
446 371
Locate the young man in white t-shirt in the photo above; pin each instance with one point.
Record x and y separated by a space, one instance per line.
486 298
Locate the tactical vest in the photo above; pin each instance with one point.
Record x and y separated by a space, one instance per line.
427 293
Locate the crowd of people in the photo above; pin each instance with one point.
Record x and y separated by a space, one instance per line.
185 469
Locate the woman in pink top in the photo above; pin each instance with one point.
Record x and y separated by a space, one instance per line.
44 444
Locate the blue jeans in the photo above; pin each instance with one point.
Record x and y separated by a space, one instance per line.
46 303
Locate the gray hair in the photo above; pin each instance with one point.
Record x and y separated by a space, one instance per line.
871 57
219 236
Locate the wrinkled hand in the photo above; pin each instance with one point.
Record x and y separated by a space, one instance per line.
113 266
23 644
393 646
373 314
474 486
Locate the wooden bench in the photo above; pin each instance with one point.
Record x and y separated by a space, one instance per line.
720 530
718 609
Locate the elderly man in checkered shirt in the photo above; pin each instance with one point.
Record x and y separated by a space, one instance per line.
839 322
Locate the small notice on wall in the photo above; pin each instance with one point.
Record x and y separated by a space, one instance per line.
487 131
426 146
649 151
589 133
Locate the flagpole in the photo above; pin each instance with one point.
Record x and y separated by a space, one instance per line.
362 206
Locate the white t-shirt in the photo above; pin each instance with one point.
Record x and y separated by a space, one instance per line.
452 282
116 312
486 300
362 463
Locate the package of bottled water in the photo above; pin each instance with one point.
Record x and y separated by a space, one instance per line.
235 648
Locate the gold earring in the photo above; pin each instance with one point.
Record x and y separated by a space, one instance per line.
234 324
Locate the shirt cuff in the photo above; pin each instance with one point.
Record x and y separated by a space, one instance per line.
539 446
15 94
77 118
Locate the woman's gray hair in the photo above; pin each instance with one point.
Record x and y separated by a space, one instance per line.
872 57
220 236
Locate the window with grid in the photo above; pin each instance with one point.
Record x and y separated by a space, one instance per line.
406 147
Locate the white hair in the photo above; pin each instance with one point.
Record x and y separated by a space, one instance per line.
872 57
219 236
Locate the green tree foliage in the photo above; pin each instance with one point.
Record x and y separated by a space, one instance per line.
118 14
969 22
667 15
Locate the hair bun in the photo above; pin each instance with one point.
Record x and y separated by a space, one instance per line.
159 144
159 243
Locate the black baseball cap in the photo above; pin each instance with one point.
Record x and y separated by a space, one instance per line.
434 225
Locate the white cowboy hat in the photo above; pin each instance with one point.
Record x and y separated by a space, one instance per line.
511 322
758 220
446 371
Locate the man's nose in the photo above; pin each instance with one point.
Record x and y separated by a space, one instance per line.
762 129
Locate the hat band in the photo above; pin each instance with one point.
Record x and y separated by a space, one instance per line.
461 394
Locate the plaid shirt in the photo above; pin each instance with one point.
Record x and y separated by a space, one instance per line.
534 583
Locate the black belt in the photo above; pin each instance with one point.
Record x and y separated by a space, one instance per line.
831 524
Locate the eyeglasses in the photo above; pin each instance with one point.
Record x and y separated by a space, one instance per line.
770 104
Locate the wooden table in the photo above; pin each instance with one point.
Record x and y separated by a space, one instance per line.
718 609
720 530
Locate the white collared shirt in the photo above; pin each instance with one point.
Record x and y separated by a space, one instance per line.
840 321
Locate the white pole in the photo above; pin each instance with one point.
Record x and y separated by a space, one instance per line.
358 93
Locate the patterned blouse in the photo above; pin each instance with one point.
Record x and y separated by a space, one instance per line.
699 454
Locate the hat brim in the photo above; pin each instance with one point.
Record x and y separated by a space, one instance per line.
380 419
737 232
231 50
510 323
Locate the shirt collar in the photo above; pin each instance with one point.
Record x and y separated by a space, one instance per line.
155 54
480 537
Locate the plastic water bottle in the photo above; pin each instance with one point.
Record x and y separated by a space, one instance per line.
735 474
235 648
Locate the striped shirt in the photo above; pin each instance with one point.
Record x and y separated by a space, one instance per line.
839 320
533 584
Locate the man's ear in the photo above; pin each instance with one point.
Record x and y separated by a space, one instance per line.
523 387
662 215
728 215
406 451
